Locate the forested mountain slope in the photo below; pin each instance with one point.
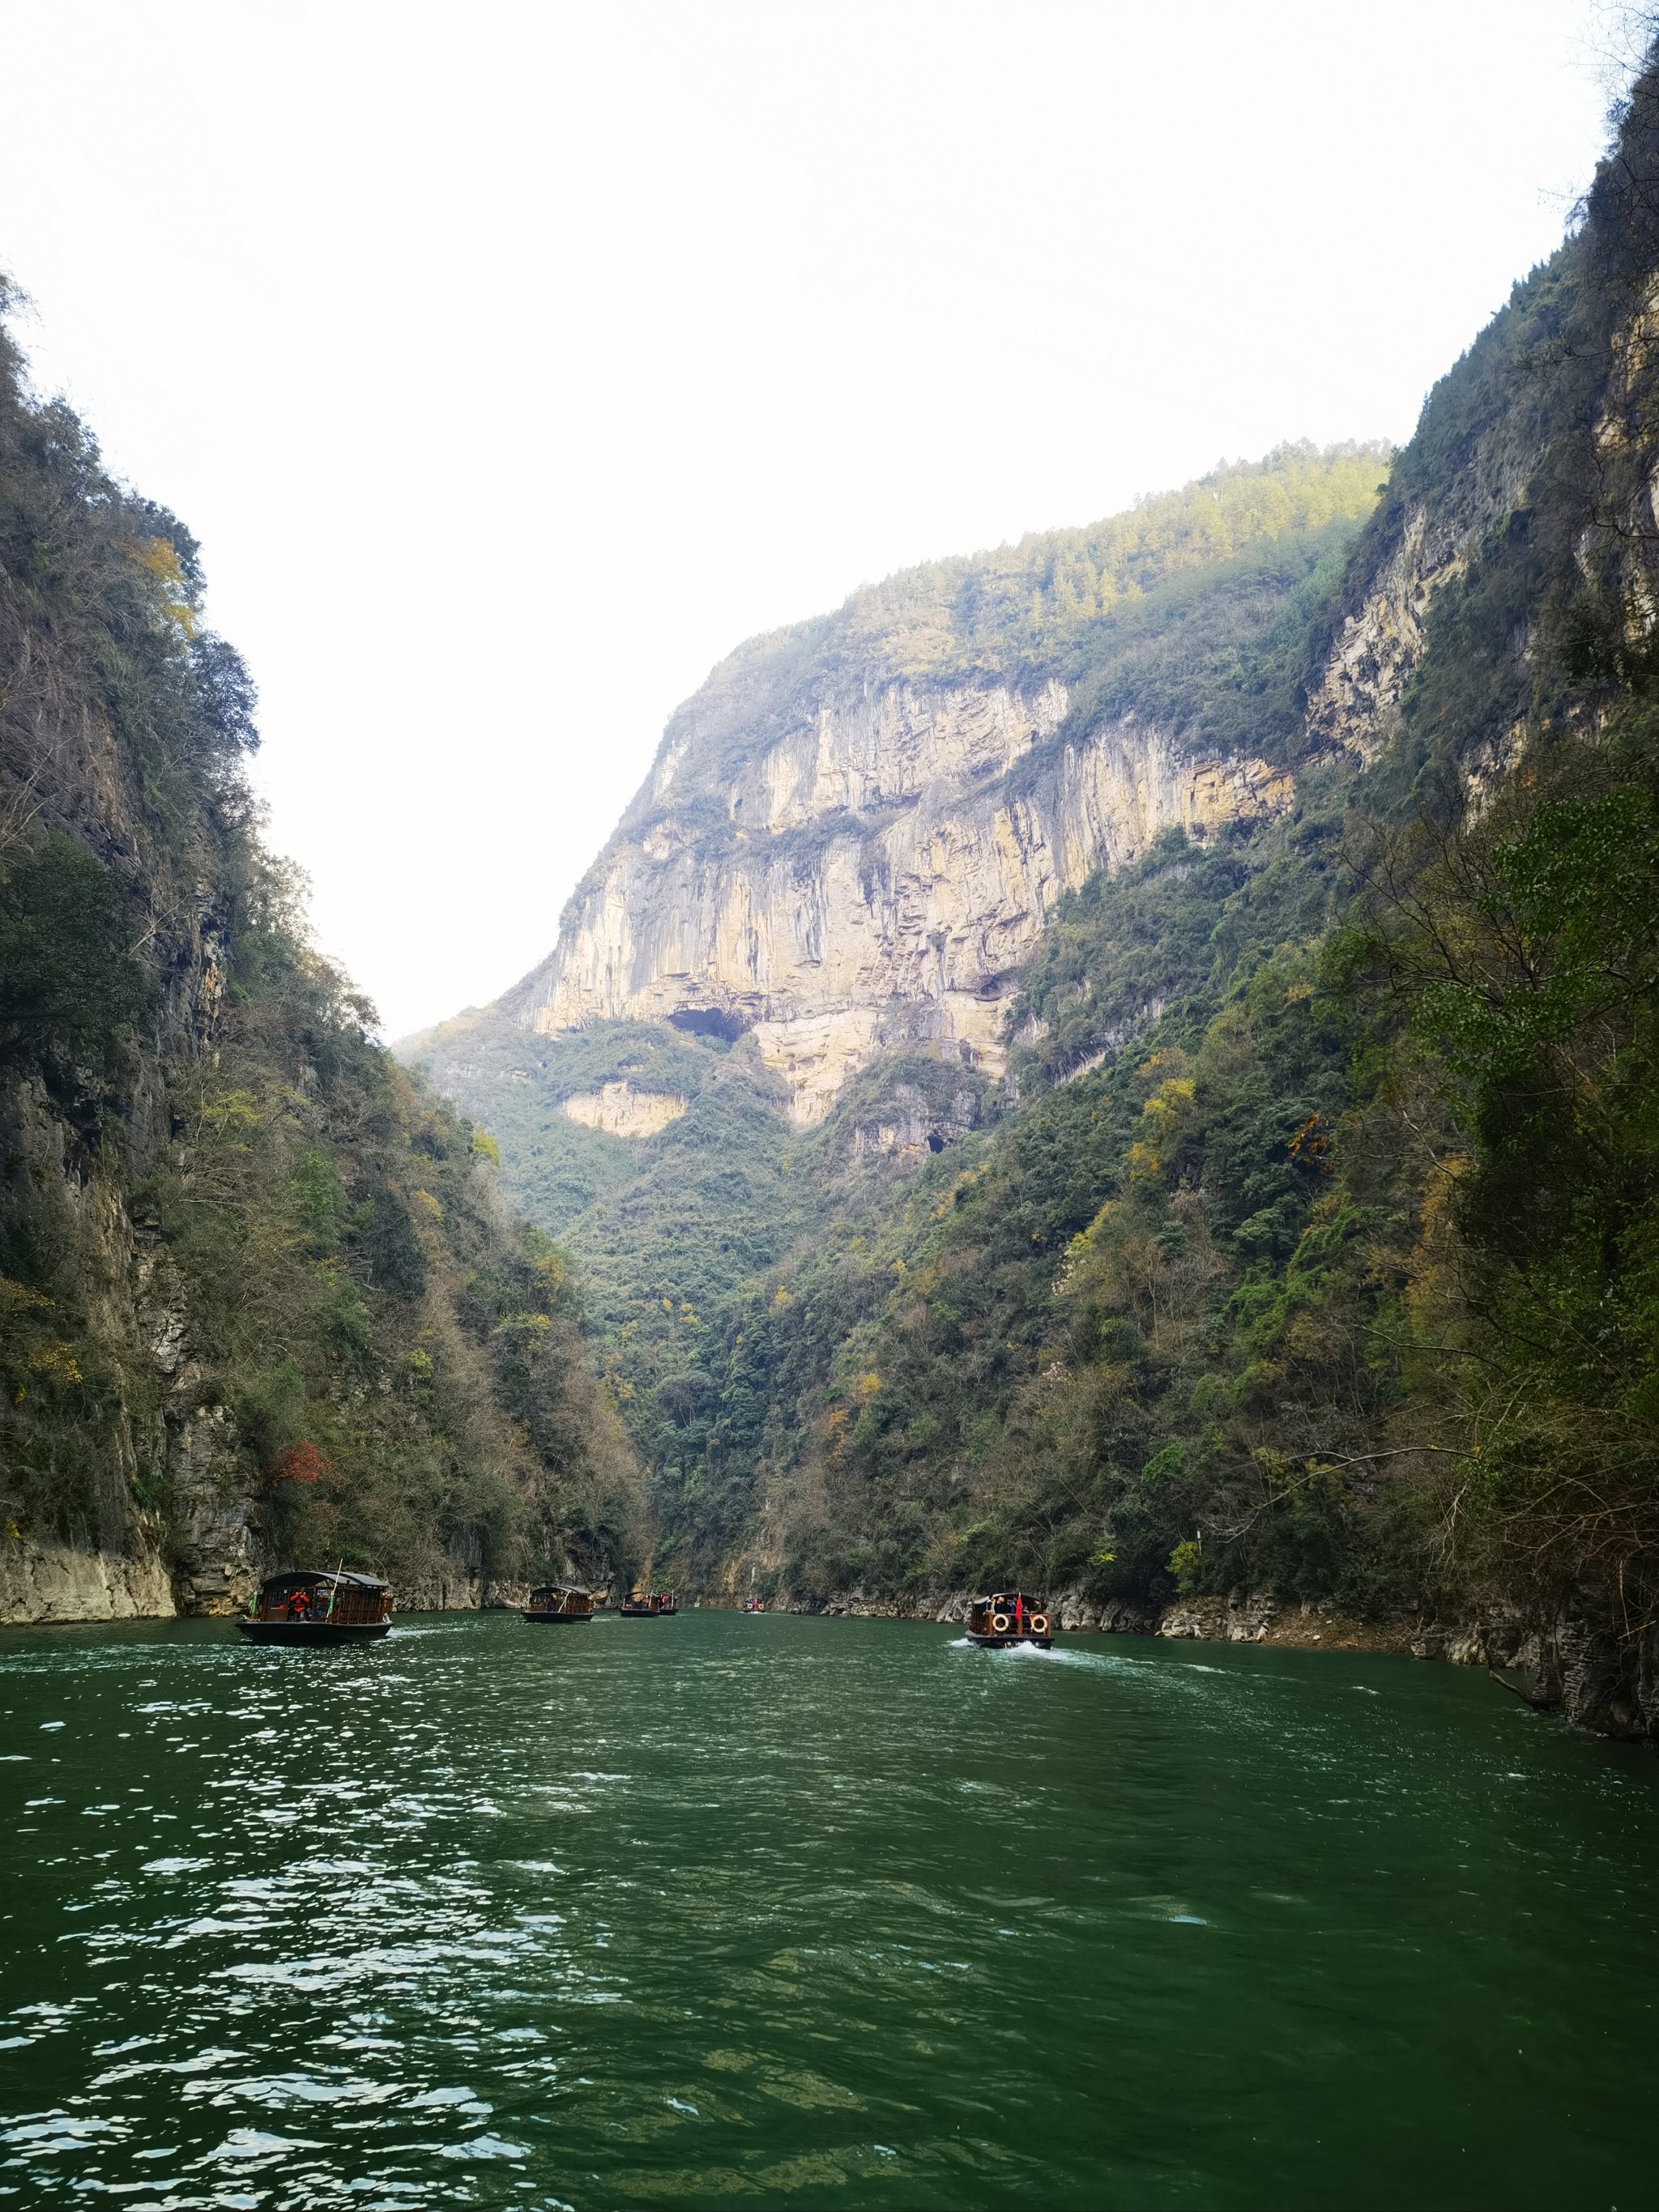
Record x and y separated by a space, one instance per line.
259 1301
682 1159
1288 1228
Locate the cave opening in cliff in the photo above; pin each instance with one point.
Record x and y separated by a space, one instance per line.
708 1021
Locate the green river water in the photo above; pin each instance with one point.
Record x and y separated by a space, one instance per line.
813 1913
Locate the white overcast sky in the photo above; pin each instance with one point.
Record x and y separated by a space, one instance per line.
514 359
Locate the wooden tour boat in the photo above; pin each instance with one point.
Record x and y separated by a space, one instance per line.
558 1605
315 1607
650 1605
1006 1617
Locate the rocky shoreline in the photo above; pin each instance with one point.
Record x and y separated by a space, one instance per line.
47 1585
1599 1679
1583 1668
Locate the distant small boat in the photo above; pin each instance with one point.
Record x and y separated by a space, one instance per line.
650 1605
313 1607
753 1605
559 1605
1006 1617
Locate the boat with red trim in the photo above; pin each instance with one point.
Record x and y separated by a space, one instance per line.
1005 1618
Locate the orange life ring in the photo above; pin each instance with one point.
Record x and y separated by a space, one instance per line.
999 1624
1039 1623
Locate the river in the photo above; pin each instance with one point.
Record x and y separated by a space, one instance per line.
721 1908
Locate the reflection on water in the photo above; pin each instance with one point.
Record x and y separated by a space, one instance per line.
838 1913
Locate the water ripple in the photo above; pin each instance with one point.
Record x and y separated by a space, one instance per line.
832 1913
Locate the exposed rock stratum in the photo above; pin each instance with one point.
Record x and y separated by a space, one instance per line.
836 866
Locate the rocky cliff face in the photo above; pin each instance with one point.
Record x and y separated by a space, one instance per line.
1494 480
873 869
111 1354
161 1433
1355 699
624 1109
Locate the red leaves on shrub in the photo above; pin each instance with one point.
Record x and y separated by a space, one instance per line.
300 1463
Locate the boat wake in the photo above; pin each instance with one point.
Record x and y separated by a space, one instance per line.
1096 1662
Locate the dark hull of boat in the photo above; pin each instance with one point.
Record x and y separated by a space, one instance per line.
556 1620
640 1612
312 1632
993 1643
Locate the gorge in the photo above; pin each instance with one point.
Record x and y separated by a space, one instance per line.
1127 1053
1077 1177
1125 1060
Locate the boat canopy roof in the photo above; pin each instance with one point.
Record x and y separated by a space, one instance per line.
1007 1597
346 1576
561 1589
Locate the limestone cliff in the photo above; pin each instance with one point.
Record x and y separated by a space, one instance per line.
1495 470
622 1110
870 862
852 837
